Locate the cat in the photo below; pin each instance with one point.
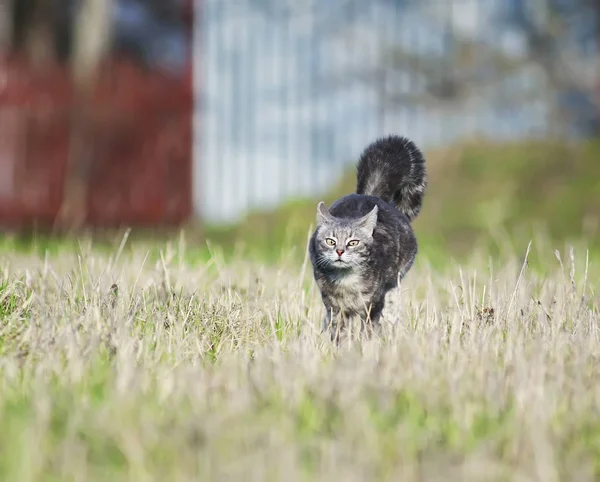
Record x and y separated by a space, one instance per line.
364 244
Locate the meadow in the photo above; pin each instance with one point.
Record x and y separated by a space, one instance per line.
180 359
142 364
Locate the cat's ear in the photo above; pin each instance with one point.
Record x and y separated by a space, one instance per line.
323 214
369 221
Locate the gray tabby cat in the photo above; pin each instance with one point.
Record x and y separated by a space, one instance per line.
364 244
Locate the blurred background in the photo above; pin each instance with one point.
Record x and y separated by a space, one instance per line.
236 116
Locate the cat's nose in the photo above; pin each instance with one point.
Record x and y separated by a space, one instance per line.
339 251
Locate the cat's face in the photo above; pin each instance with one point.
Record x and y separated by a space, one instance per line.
341 243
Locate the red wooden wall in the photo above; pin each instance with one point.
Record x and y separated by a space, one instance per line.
139 131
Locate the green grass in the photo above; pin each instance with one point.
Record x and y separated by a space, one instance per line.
479 193
216 371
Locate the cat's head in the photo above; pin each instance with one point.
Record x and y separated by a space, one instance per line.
343 243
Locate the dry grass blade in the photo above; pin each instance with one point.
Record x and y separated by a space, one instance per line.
220 372
514 293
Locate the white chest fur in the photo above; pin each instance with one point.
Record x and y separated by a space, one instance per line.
348 289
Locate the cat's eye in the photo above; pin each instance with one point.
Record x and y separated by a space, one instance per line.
330 242
353 243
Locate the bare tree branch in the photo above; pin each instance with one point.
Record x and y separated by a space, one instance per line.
545 41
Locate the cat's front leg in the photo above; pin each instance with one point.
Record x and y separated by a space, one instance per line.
371 324
330 320
335 322
341 324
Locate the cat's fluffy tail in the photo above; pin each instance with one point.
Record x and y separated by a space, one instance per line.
393 168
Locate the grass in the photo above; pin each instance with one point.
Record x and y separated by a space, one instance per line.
475 189
130 359
215 370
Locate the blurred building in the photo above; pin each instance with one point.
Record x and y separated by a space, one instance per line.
107 142
216 107
291 91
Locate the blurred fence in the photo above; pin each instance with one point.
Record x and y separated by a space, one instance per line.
291 91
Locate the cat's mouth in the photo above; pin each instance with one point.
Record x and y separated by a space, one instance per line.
340 265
